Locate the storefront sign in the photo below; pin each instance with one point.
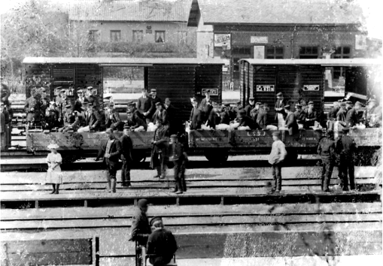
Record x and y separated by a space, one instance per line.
259 39
311 87
222 40
264 88
213 91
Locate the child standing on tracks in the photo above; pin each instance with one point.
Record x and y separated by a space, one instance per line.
276 157
54 175
179 158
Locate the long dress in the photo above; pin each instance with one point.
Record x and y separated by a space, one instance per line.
54 176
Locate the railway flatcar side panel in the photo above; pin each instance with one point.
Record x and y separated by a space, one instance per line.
251 139
176 82
209 77
210 139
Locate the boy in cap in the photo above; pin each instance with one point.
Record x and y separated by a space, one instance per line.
205 106
160 113
126 156
162 244
154 99
135 123
195 116
276 157
140 224
310 116
326 149
159 149
179 158
345 146
112 118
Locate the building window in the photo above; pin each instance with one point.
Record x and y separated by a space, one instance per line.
115 35
159 36
138 35
341 52
308 52
182 36
273 52
93 36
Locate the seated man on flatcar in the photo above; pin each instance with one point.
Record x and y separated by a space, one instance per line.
213 118
373 114
250 106
144 104
244 120
97 121
331 117
195 116
353 117
69 118
254 111
135 123
92 96
160 113
290 121
132 108
341 115
112 118
299 115
224 117
77 123
310 116
154 99
261 119
162 244
52 117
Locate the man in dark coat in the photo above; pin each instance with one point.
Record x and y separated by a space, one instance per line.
160 113
310 116
326 149
110 151
173 122
279 107
345 147
244 120
140 224
299 114
126 157
341 115
135 123
112 119
250 106
154 99
291 123
179 158
159 149
195 116
161 244
261 119
205 106
97 120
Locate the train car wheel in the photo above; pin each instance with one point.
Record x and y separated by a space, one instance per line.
217 157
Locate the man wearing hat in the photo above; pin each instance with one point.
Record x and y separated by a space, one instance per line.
276 157
244 120
112 118
140 224
205 106
291 123
345 147
135 123
126 156
154 99
110 151
179 158
97 120
310 116
299 115
326 149
162 244
92 96
68 118
279 109
159 152
160 113
261 119
250 106
254 111
195 115
52 117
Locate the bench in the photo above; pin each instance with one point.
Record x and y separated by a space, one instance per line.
78 251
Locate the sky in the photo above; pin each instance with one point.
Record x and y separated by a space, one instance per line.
372 10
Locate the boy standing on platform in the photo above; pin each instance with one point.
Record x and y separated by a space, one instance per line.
179 158
276 157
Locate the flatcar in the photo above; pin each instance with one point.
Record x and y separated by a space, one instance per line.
196 76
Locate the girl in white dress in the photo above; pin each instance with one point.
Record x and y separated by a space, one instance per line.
54 175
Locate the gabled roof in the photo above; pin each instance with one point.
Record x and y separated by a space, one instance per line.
290 12
131 10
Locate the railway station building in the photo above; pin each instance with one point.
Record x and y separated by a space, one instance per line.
277 29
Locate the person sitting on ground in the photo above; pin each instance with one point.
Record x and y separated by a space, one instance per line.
276 157
291 123
140 229
195 116
161 244
135 123
160 113
244 120
310 116
112 118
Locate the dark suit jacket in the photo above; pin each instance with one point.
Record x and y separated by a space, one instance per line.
195 119
98 120
126 148
115 121
262 118
115 152
246 121
163 116
291 123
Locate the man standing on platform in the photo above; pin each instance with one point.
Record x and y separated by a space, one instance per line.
110 151
126 157
326 149
179 158
161 244
159 149
345 147
140 225
276 157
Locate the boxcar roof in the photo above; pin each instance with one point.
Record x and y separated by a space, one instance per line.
322 62
121 61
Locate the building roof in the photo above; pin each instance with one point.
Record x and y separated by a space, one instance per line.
279 11
131 10
121 61
322 62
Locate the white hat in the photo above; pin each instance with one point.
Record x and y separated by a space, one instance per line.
53 146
